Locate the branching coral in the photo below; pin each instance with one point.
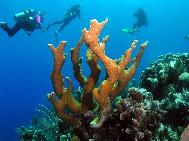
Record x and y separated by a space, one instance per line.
87 84
117 76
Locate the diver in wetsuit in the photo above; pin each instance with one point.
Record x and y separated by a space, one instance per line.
28 20
141 21
71 14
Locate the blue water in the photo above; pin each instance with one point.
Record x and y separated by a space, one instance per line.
26 62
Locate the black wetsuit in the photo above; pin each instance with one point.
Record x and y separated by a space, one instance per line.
29 24
141 19
71 14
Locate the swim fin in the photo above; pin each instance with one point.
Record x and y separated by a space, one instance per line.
126 30
3 24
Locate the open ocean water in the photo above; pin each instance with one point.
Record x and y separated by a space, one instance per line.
26 62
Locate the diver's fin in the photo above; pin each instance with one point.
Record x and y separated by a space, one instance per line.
126 30
3 24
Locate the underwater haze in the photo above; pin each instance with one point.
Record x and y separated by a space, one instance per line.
27 62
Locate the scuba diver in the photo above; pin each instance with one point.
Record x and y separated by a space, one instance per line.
28 20
71 14
141 21
141 18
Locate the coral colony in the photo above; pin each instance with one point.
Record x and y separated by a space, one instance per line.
117 76
99 112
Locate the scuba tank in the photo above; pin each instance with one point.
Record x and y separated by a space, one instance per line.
24 15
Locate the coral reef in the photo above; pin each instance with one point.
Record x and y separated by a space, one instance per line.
167 79
132 114
46 127
95 99
138 116
135 118
170 69
177 107
113 110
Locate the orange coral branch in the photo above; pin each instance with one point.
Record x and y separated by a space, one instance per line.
91 39
87 84
127 74
59 106
126 58
92 61
77 63
118 77
64 95
59 60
